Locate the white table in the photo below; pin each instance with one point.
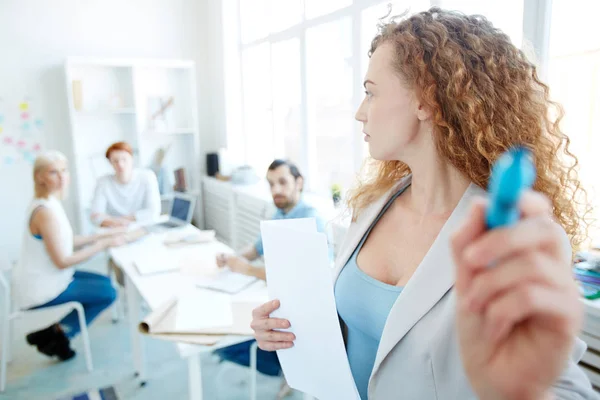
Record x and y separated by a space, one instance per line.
159 288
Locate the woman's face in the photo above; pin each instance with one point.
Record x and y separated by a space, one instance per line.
390 112
122 162
55 177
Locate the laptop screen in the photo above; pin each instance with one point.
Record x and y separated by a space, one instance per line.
180 209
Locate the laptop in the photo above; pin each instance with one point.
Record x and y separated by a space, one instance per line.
180 213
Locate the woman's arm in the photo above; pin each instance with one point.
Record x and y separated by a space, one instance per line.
84 240
46 224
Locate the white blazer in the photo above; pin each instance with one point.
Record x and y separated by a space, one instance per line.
418 356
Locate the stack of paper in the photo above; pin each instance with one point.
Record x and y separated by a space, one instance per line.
299 275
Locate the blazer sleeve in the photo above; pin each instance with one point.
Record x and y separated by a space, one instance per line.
574 384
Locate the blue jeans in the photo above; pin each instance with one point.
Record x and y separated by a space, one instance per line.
266 361
95 292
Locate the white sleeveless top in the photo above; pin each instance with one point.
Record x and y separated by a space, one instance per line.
36 279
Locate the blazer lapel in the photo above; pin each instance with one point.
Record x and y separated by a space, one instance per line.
357 229
432 279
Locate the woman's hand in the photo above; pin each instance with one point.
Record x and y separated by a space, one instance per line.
113 241
518 308
265 328
115 222
221 260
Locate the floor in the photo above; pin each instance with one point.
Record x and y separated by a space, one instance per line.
33 376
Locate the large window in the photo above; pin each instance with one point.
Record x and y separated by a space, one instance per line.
574 79
294 71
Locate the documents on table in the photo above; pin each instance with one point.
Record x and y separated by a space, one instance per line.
226 281
299 275
204 316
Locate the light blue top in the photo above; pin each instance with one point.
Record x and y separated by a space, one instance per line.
300 210
364 303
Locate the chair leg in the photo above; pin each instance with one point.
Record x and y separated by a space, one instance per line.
4 356
85 337
253 371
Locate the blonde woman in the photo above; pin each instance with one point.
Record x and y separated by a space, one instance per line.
422 315
45 275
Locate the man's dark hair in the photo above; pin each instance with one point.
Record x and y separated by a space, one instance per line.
293 169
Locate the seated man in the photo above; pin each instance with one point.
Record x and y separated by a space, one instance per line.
286 184
128 195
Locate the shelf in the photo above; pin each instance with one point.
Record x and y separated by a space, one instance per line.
107 111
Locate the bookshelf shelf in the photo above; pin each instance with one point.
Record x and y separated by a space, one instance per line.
151 104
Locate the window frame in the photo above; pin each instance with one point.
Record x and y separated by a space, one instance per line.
536 28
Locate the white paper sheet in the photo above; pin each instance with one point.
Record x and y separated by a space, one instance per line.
201 309
226 281
299 275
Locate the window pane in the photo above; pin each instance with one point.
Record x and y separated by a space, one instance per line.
286 100
258 114
506 15
285 13
254 19
373 16
316 8
574 80
330 110
568 18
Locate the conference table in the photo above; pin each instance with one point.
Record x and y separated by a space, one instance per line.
156 289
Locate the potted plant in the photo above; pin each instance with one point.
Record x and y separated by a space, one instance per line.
336 193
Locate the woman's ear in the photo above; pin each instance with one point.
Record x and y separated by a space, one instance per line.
423 113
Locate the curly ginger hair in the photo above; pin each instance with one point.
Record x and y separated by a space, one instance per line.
485 97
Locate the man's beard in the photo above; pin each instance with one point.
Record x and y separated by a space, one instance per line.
282 203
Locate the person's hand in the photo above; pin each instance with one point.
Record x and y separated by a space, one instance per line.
113 241
221 260
265 328
238 264
115 222
518 308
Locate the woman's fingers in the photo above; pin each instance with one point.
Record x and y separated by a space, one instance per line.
266 324
265 310
273 346
532 300
274 336
531 233
267 337
532 267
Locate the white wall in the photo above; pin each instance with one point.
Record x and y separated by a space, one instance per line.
37 35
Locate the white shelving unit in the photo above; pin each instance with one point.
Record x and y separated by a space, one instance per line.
112 100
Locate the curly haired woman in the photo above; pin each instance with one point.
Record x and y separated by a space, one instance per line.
422 315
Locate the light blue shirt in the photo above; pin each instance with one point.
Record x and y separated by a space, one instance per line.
364 304
300 210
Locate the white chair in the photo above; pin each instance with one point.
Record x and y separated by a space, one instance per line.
9 314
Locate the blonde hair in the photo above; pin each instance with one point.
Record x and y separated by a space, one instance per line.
485 97
42 162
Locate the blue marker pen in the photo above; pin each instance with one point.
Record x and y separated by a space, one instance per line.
512 174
